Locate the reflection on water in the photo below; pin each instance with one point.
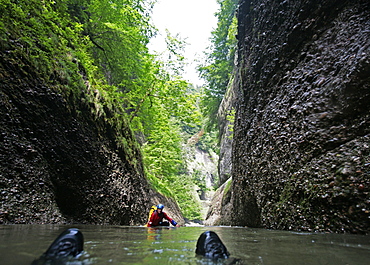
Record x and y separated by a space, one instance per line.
21 244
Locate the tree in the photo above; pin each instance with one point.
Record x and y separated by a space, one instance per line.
220 59
156 100
119 31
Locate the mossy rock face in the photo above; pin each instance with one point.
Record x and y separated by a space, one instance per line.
61 160
301 134
59 164
220 205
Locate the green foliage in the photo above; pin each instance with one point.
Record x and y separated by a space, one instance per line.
160 186
199 179
227 188
37 36
183 190
209 142
119 31
220 59
230 117
161 112
162 151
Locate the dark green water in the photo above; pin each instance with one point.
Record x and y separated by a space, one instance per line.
21 244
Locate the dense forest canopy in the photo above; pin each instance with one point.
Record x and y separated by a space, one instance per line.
219 64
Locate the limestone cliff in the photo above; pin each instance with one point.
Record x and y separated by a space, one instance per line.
301 134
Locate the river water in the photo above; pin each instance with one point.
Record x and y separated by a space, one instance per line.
22 244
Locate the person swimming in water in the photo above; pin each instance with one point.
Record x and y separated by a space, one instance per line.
156 219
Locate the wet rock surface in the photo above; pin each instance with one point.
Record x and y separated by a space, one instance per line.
220 203
59 163
225 115
301 135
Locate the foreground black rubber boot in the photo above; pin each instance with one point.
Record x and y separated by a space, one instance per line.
210 246
68 244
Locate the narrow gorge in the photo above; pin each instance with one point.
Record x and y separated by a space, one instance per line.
294 156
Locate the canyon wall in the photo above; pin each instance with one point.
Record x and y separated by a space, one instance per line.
62 163
301 140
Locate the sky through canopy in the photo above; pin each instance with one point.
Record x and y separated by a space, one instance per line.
194 21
